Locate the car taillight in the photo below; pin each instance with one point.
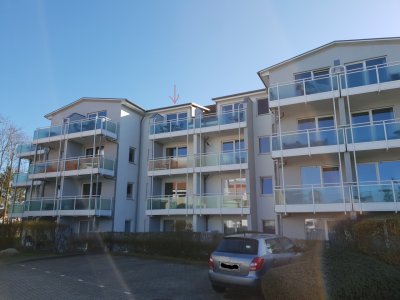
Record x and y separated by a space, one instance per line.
211 263
256 264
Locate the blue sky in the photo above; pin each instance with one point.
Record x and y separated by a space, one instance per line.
54 52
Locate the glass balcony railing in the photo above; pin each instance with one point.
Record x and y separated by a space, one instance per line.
76 127
201 160
16 208
169 202
309 138
221 159
376 192
382 131
216 201
199 122
169 163
26 148
356 78
312 195
20 178
80 163
77 203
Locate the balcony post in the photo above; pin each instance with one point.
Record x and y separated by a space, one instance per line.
394 197
377 78
308 143
313 198
385 133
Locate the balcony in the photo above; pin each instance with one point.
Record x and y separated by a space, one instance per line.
308 142
198 204
210 162
350 197
76 129
73 167
22 179
376 78
313 199
380 135
207 123
376 196
29 150
64 206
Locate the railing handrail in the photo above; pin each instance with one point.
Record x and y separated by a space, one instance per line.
100 157
108 120
199 117
198 154
381 66
338 185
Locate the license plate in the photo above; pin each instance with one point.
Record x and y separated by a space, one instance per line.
229 266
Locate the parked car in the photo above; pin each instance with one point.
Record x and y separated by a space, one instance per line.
242 259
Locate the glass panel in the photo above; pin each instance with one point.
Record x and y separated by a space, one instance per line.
367 172
227 146
382 114
264 145
182 151
361 78
295 140
306 124
393 130
311 175
355 66
266 186
367 133
389 170
319 85
330 175
304 75
325 122
389 73
323 138
359 118
373 193
375 62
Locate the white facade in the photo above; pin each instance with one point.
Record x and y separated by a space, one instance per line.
319 144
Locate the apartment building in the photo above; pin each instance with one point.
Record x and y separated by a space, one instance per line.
82 170
201 166
336 134
319 144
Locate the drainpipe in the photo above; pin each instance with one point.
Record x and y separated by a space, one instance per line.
136 223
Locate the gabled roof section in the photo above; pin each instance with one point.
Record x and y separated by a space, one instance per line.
166 108
331 44
122 101
248 93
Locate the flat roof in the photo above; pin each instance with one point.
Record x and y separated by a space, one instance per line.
239 94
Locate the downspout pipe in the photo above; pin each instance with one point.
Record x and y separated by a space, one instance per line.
138 175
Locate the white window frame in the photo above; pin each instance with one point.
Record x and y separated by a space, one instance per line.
321 177
369 111
316 118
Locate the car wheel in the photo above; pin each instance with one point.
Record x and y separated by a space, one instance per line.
218 288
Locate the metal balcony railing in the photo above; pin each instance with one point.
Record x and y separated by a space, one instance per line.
349 79
75 127
230 117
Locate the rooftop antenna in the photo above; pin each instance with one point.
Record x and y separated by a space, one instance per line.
175 98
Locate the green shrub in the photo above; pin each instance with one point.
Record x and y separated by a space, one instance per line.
352 275
299 280
10 235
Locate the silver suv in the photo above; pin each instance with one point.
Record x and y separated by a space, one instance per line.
242 259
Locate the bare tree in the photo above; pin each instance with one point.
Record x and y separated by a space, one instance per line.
10 137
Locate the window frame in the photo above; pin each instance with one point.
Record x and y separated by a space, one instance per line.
262 178
258 107
131 185
316 122
268 143
370 115
96 114
134 155
312 75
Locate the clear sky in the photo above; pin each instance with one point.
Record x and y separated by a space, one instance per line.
55 52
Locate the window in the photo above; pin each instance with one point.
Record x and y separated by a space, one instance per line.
231 107
129 190
262 106
176 151
99 151
236 186
97 114
264 145
372 116
317 175
176 189
235 225
178 121
367 172
233 146
131 156
96 189
366 64
317 122
269 226
127 226
314 74
389 170
266 186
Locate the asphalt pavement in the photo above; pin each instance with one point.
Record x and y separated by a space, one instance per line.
110 277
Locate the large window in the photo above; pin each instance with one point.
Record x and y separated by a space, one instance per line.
176 151
97 114
234 186
317 122
372 116
378 171
314 74
366 64
99 151
264 145
231 107
266 186
233 146
317 175
96 189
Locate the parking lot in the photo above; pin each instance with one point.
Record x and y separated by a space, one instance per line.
109 277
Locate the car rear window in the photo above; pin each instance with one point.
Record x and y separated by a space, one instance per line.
238 245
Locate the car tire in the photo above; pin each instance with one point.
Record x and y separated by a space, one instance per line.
218 288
